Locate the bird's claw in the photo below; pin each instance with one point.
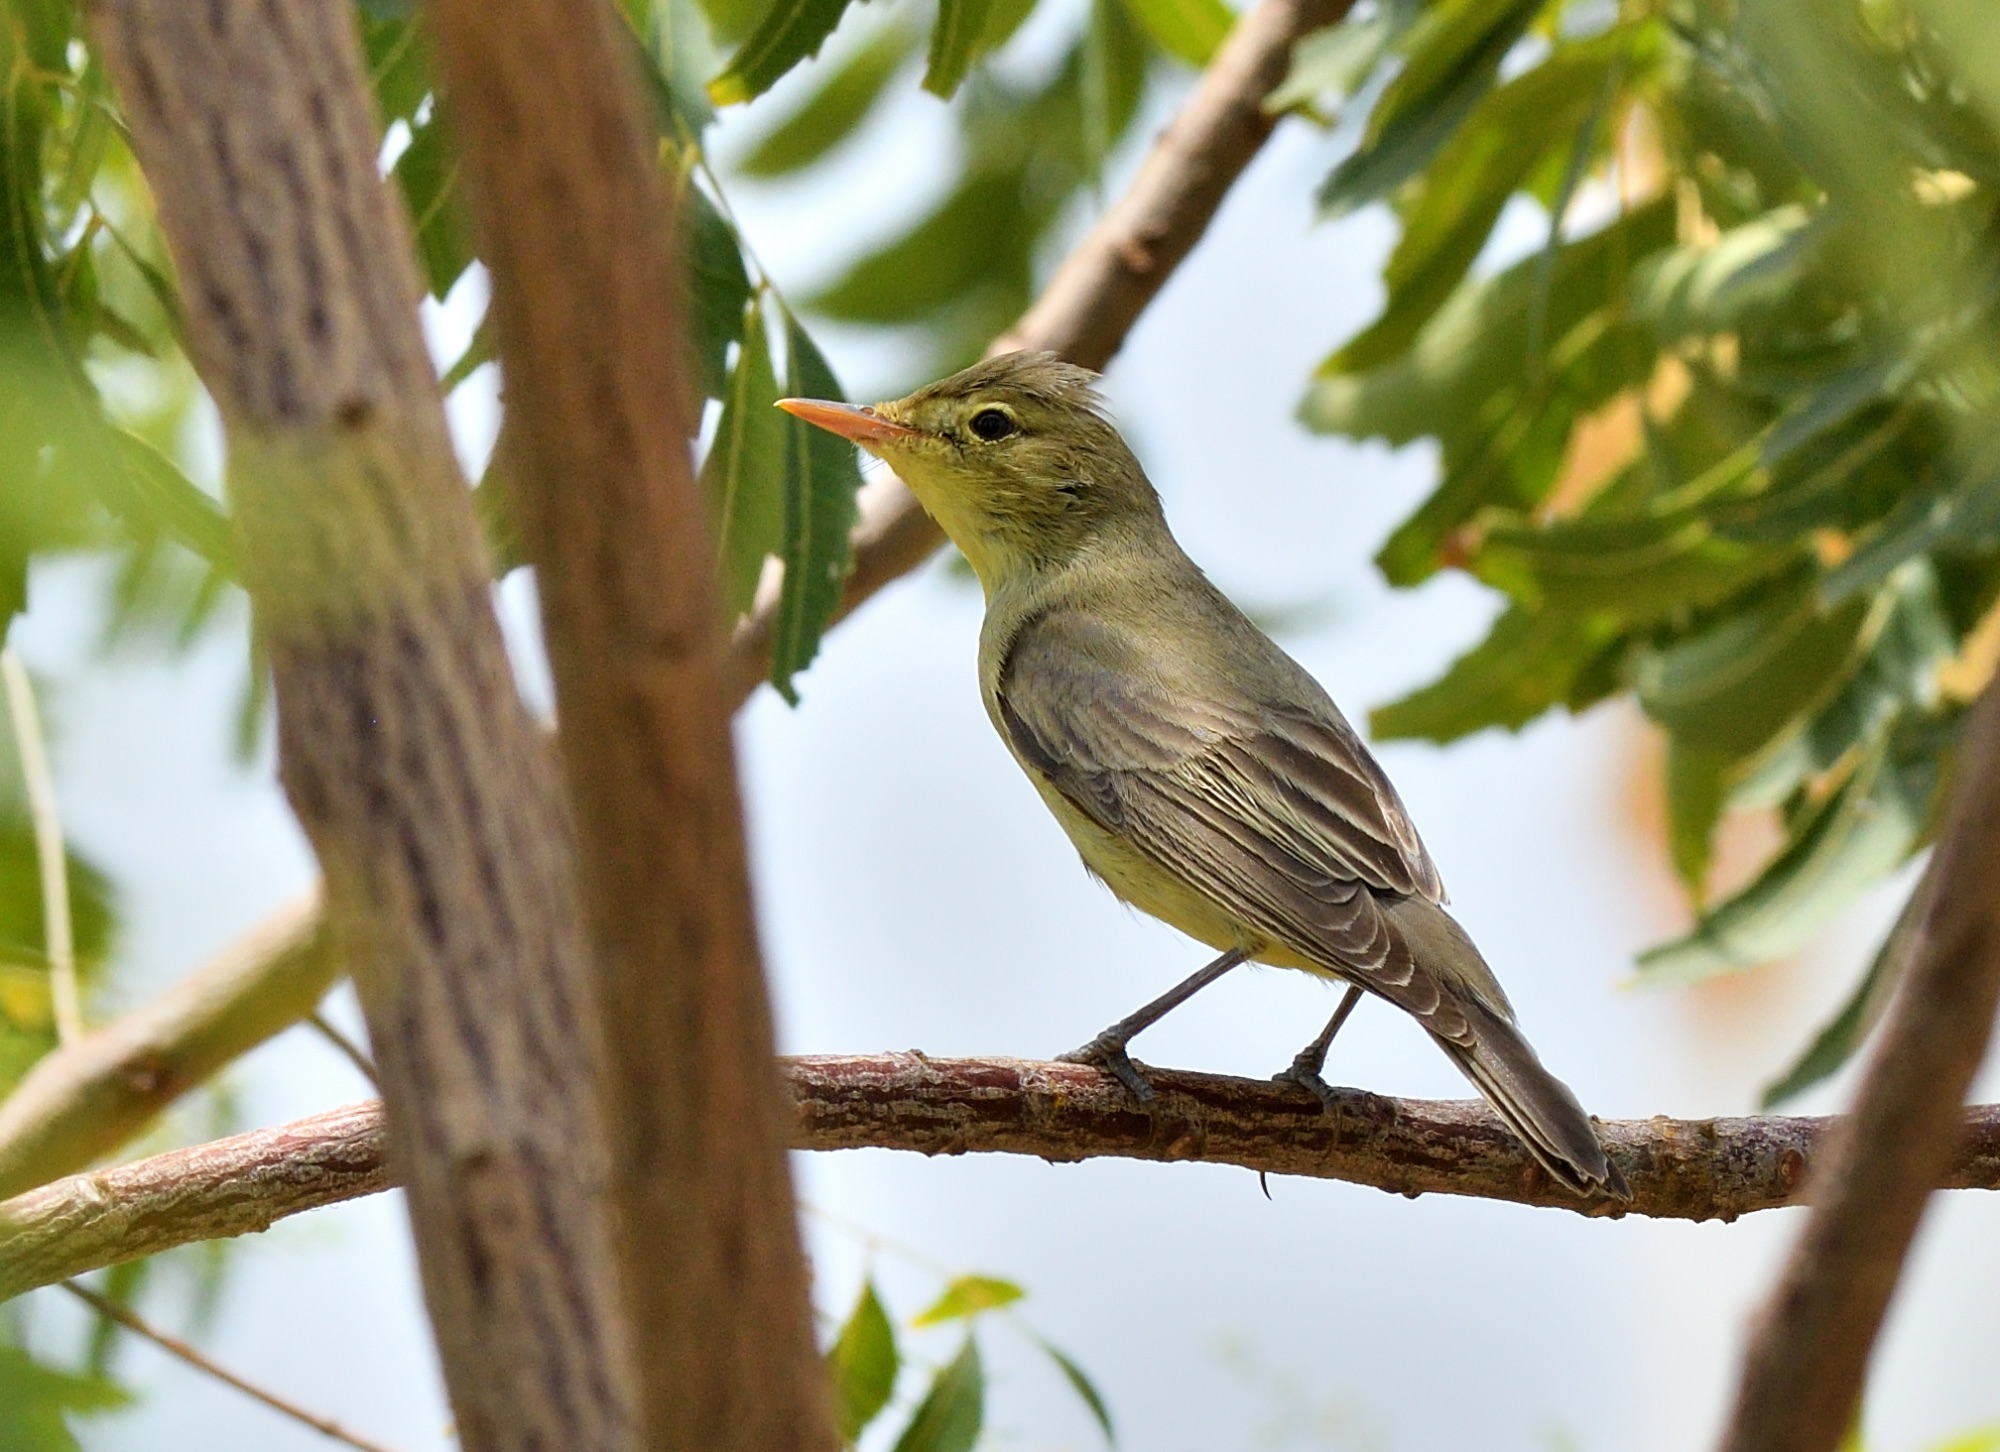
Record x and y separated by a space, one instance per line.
1305 1073
1109 1054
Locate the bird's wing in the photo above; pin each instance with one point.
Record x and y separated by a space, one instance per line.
1279 817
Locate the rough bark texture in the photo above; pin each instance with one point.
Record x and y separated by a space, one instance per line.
413 766
91 1096
1101 288
1709 1169
1811 1343
212 1191
576 226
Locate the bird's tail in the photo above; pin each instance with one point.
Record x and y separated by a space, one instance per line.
1536 1105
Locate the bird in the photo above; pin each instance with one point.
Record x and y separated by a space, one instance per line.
1201 773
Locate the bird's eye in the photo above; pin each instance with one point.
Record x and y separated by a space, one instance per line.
992 424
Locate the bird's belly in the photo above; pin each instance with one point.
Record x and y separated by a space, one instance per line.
1137 879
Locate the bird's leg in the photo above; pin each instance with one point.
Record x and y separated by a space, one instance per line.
1307 1063
1107 1050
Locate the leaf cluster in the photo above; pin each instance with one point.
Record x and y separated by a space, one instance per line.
1726 439
865 1362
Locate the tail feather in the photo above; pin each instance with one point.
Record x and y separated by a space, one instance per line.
1536 1105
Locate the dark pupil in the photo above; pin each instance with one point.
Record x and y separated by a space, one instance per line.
991 424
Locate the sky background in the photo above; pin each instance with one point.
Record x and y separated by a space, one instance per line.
914 893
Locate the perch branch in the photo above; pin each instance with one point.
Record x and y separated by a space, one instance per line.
1705 1169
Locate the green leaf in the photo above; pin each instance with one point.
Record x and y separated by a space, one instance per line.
398 65
1452 57
1749 270
745 472
147 488
1835 1044
1188 30
953 1410
1696 791
1759 669
970 1296
1471 353
979 230
1334 60
833 112
821 476
721 288
957 40
427 171
36 1402
1465 188
1529 661
791 31
864 1362
1084 1388
1858 835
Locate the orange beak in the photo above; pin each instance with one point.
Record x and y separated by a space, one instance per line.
863 426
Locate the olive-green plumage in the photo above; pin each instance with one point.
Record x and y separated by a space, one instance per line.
1201 773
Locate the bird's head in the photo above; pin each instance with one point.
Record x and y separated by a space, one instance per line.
1014 457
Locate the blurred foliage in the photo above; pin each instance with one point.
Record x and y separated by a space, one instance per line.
1727 437
866 1362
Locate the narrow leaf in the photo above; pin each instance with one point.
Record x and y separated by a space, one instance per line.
953 1410
1084 1388
1862 832
745 473
956 42
864 1362
832 113
1188 30
1528 663
821 476
427 171
791 31
970 1296
1835 1044
721 287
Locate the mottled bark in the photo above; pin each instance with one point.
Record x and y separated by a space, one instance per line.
564 176
422 782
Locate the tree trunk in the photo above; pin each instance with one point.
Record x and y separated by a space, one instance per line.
564 178
404 748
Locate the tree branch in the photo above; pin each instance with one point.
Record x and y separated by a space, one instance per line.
1811 1343
1705 1169
86 1099
1101 288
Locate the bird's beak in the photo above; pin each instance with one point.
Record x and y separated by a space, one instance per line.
863 426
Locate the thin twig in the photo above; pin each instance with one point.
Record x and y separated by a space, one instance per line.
128 1318
49 853
363 1065
1680 1169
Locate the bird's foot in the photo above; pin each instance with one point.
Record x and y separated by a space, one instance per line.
1109 1054
1304 1072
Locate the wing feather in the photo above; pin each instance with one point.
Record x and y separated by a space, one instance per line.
1276 815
